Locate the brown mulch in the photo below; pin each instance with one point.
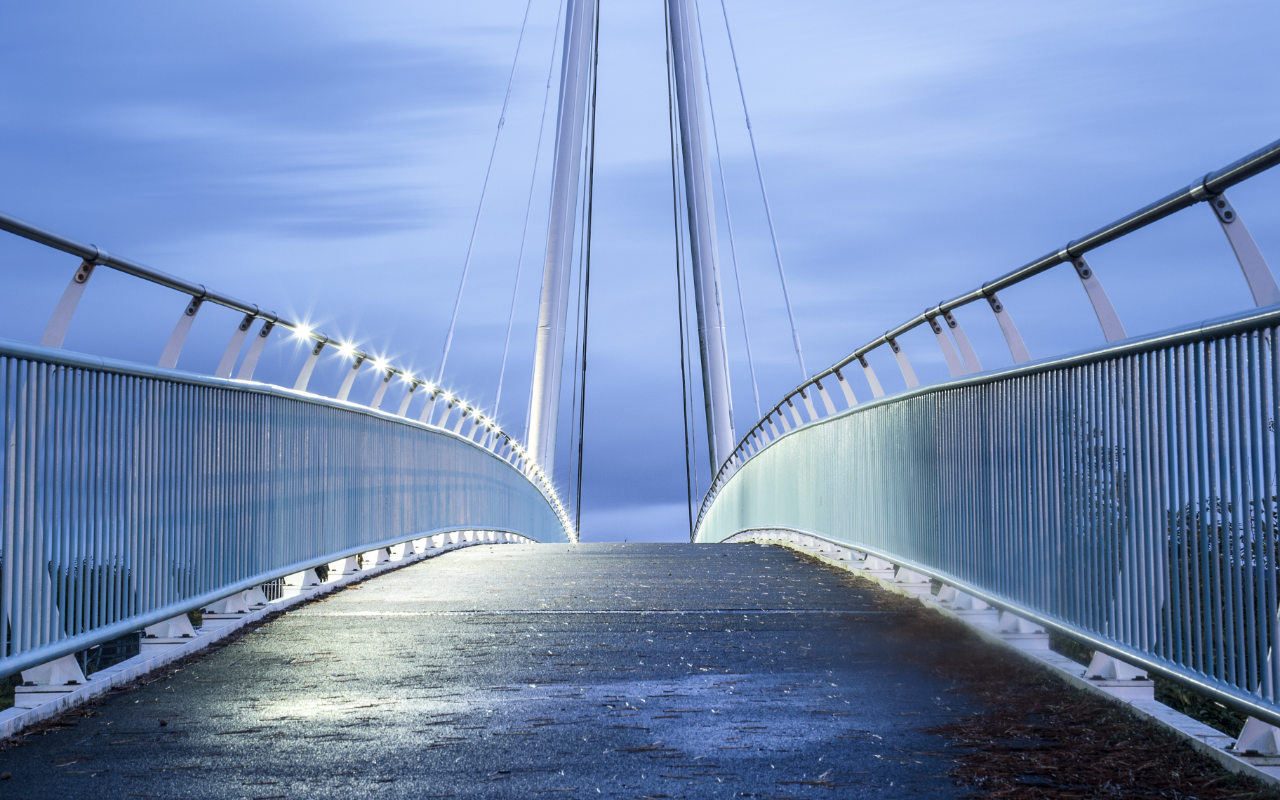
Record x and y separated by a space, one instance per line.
1040 738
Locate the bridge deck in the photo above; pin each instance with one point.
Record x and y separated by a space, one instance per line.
635 670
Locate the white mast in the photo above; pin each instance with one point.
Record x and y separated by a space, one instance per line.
702 230
548 360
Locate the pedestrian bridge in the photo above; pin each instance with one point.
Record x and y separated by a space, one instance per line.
1123 498
615 670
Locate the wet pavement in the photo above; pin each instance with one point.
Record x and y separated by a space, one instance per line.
596 670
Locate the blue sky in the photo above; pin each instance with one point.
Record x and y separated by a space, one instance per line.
325 159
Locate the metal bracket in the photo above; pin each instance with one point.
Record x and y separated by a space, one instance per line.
445 414
877 391
1223 209
250 362
55 333
376 402
948 350
443 422
849 396
169 358
808 405
1262 282
428 407
347 382
233 347
1112 329
795 415
826 398
308 367
908 374
773 431
967 353
408 396
1017 348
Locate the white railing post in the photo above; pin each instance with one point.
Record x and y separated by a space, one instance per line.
967 354
344 391
877 391
56 331
1017 348
173 348
1262 282
1112 329
233 347
250 362
308 367
908 374
948 351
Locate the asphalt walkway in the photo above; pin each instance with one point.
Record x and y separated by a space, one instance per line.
641 670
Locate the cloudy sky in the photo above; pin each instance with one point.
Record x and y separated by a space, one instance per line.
325 159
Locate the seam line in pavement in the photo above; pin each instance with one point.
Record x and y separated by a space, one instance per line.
598 612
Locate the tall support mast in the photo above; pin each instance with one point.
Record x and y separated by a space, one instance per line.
548 360
687 56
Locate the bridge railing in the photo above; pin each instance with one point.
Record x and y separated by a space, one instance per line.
816 398
1126 497
131 494
437 409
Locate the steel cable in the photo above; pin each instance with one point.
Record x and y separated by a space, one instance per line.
484 189
728 217
768 211
524 231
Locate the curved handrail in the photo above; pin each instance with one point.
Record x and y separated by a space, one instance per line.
1211 186
92 255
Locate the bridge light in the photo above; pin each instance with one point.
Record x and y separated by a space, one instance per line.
303 331
380 364
407 377
346 349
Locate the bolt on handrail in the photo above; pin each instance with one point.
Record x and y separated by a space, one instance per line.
491 436
1209 188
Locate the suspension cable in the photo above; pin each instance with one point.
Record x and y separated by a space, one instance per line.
728 217
528 206
586 279
484 189
680 302
768 211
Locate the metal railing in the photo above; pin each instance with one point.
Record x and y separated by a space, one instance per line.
1127 497
471 421
812 400
132 494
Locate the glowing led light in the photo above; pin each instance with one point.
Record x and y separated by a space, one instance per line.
407 377
449 398
380 364
303 331
346 350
